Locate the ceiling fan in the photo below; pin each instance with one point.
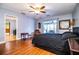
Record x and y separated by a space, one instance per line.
38 9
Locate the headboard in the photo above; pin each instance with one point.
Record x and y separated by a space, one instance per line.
76 30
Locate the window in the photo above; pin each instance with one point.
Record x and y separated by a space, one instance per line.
49 26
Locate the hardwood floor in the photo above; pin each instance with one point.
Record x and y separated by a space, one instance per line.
21 47
10 37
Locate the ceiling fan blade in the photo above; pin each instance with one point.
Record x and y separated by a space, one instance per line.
42 7
31 11
32 7
43 11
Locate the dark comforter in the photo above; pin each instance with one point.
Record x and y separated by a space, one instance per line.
52 42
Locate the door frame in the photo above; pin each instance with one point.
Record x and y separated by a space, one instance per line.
16 19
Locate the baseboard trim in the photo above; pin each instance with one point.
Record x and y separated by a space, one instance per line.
18 38
2 42
5 41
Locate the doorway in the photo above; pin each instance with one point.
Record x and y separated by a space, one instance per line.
10 28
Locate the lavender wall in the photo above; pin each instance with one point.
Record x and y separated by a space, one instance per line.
75 15
60 17
24 23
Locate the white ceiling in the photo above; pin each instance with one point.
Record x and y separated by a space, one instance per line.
51 8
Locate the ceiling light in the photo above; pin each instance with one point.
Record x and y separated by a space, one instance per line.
37 11
36 8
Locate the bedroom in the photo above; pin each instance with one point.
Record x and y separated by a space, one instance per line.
28 18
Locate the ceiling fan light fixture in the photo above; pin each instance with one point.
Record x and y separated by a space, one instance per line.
37 8
37 11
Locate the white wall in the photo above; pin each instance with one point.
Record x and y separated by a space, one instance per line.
24 23
60 17
75 15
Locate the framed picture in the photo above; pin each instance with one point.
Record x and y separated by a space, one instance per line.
64 24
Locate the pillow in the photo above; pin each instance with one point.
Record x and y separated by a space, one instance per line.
67 35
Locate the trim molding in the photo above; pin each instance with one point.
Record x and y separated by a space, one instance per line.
5 41
18 38
2 42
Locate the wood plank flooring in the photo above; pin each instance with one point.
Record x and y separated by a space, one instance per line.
10 37
21 47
